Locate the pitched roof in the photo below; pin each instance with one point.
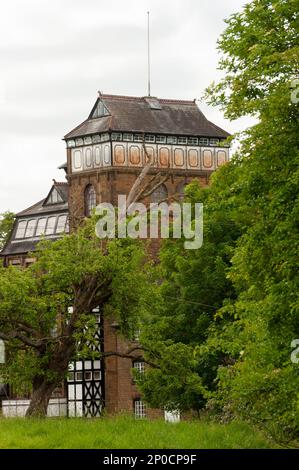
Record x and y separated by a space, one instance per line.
148 114
19 246
41 208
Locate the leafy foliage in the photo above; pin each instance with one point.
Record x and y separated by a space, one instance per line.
6 223
246 273
79 270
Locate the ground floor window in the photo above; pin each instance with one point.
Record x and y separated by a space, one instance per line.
139 408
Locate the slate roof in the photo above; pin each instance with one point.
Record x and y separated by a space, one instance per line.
134 114
41 208
25 245
20 247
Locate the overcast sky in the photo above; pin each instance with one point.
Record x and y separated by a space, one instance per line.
56 54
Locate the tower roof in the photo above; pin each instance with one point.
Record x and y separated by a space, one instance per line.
146 115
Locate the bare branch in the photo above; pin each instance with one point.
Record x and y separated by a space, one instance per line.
156 186
24 339
141 178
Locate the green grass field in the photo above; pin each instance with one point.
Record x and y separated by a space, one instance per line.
126 433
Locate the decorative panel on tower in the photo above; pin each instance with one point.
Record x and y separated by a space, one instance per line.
193 161
221 157
119 155
179 157
207 159
135 155
164 157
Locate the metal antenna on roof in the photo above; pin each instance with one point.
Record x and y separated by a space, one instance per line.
148 54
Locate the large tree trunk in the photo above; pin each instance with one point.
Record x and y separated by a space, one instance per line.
63 351
43 388
42 391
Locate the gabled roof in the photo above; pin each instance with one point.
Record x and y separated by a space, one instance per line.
57 194
42 207
147 115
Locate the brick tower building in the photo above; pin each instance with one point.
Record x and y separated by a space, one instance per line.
105 154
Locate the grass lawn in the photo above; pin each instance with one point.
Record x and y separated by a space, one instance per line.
126 433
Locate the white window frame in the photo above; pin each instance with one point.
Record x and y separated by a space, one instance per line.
139 409
54 226
63 226
127 137
161 139
150 138
192 141
31 225
22 235
139 366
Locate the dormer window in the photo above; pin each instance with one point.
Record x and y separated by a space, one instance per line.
100 110
54 197
153 103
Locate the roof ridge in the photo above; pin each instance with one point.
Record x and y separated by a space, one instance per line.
143 98
166 100
127 97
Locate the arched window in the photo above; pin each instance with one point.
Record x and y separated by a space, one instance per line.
180 189
160 194
90 199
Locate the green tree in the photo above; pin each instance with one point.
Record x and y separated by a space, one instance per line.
6 223
261 59
194 287
78 271
252 276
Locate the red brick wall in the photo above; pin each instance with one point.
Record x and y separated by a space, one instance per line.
120 391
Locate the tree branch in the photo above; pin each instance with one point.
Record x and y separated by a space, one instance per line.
24 339
128 356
